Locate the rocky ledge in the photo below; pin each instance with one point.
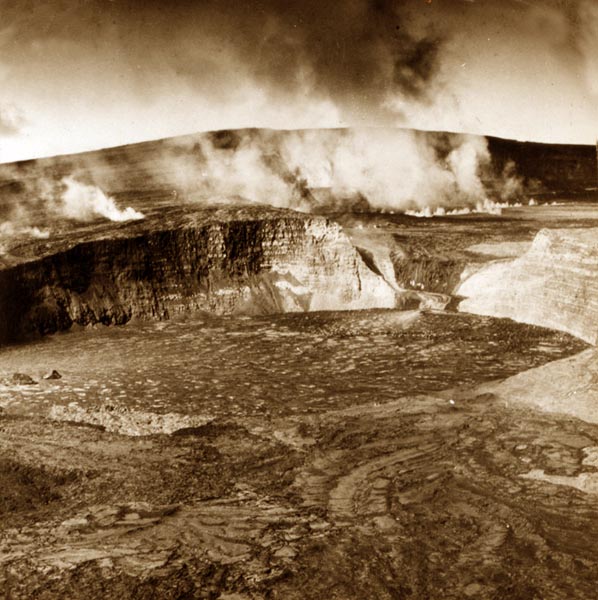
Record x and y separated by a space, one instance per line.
554 284
254 260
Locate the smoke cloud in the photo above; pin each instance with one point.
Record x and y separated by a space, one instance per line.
45 202
333 170
124 71
377 169
587 40
97 73
87 202
11 120
9 231
353 55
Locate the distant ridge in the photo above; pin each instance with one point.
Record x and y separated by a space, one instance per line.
148 174
494 140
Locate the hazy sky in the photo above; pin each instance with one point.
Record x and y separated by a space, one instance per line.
81 74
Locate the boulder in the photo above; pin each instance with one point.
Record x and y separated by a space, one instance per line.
22 379
54 374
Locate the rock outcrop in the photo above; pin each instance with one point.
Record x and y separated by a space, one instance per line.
22 379
568 386
116 419
253 260
52 375
554 284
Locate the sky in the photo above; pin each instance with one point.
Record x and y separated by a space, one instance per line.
84 74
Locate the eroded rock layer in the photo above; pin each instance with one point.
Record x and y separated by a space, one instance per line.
255 260
554 284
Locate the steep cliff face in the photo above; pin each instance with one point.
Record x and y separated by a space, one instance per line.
229 260
432 273
550 167
554 284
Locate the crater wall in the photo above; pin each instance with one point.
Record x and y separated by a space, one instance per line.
554 284
243 260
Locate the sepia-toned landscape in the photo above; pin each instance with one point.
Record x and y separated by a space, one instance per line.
298 300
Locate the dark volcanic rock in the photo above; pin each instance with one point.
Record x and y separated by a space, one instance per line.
22 379
552 167
254 260
431 273
25 487
54 374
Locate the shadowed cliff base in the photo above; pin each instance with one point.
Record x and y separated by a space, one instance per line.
251 260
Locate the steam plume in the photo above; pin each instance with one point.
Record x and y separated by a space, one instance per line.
45 204
87 202
11 120
309 170
379 169
589 43
221 63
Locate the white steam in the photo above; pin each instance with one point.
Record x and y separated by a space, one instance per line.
511 185
88 202
48 202
233 174
396 170
489 207
390 169
9 231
